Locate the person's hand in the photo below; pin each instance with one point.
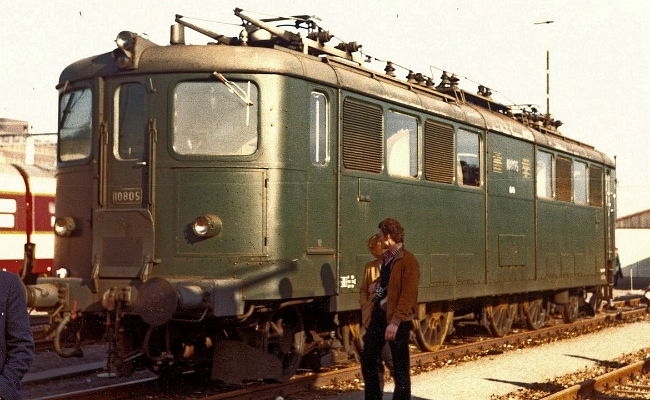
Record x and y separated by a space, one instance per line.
391 332
372 288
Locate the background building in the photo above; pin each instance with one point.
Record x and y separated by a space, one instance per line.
633 242
18 146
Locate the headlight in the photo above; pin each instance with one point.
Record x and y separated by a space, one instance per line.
63 226
62 272
124 53
122 60
207 225
125 40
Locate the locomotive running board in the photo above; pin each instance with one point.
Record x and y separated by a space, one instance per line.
243 363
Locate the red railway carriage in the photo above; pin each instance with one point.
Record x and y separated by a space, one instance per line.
26 214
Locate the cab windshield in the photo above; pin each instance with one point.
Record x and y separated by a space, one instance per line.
75 125
212 119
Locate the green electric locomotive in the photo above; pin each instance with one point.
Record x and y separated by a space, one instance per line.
214 202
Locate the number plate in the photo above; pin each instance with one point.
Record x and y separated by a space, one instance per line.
127 196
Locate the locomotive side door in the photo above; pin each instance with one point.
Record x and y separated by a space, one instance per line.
123 227
322 207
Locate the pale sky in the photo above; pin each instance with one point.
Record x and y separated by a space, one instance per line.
599 55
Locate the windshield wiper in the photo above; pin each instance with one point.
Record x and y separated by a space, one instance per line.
234 89
244 96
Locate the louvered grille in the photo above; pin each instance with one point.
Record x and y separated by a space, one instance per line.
595 186
438 152
362 137
497 162
563 179
525 168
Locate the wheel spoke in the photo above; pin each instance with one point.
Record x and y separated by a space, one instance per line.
535 313
500 318
570 310
432 326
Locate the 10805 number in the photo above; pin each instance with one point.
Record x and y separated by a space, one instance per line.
127 196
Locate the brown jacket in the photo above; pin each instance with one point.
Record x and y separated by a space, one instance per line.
403 288
365 298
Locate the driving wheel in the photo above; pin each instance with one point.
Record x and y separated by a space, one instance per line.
499 318
431 326
535 313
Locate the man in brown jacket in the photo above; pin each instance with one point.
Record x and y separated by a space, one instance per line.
395 297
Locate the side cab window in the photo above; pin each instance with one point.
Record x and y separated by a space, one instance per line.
401 144
319 129
468 158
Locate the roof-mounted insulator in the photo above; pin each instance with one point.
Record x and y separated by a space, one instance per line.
410 78
484 91
420 79
320 36
454 80
547 121
550 123
444 80
243 37
390 70
351 47
429 83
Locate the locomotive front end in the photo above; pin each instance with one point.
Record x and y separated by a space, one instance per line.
166 211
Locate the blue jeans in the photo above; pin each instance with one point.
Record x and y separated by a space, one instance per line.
373 344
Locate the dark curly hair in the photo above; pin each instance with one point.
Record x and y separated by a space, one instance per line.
392 227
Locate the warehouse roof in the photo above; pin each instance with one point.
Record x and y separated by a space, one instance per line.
639 220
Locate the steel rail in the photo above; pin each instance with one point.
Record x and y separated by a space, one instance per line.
127 390
605 382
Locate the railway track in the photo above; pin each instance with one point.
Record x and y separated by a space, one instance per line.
628 382
195 386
